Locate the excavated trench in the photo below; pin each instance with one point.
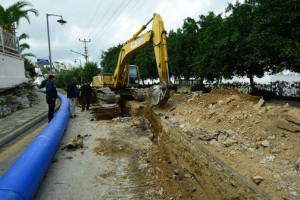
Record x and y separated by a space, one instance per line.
215 179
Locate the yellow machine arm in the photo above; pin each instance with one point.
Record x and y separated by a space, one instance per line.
158 37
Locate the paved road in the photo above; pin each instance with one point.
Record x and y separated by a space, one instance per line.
20 121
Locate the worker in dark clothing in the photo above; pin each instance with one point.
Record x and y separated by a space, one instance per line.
86 93
51 96
72 94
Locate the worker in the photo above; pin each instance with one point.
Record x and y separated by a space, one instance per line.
86 93
51 96
72 94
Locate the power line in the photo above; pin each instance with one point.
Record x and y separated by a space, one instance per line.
133 9
101 19
92 20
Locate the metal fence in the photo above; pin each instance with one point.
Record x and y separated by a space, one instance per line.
9 43
279 88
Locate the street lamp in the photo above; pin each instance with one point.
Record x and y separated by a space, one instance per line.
84 55
79 61
61 21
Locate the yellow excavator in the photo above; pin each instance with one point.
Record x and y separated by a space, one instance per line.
125 79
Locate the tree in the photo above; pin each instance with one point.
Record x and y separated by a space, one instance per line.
263 36
277 33
24 46
190 30
211 50
14 13
109 59
145 60
176 59
64 77
90 69
29 67
244 58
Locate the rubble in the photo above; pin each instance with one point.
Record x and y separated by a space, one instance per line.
246 132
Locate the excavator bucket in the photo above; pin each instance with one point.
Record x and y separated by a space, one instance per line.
160 95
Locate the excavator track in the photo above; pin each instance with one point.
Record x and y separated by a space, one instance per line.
139 94
106 95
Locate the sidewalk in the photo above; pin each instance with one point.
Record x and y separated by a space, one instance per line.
15 124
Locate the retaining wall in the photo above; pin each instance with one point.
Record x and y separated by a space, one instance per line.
12 71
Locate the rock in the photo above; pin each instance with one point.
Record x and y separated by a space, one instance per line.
259 104
220 102
267 159
271 137
265 143
176 171
229 142
298 164
188 175
286 105
257 179
232 152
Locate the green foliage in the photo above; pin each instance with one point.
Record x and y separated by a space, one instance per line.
14 13
81 74
43 83
29 67
145 59
64 77
90 69
109 59
211 52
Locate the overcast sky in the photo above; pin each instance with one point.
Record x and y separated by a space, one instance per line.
106 23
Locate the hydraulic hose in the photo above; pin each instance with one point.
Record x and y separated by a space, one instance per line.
22 179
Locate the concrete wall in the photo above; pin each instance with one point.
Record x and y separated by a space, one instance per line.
12 71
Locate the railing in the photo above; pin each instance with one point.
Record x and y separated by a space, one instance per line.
9 43
279 88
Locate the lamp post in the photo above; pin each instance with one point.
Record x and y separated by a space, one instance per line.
61 21
79 62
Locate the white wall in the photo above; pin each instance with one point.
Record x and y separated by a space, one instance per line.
12 71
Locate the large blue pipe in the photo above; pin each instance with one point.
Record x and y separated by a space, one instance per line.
23 178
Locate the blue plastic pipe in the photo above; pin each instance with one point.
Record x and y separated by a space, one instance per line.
22 179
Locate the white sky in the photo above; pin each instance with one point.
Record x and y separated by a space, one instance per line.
106 23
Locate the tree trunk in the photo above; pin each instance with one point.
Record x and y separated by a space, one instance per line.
252 85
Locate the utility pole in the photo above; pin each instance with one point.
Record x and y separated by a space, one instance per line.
85 48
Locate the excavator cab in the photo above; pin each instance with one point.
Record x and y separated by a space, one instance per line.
133 79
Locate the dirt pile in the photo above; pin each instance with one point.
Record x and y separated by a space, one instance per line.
260 140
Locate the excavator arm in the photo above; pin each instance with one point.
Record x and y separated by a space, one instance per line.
156 36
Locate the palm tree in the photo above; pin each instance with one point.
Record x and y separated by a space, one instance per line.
23 46
13 14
